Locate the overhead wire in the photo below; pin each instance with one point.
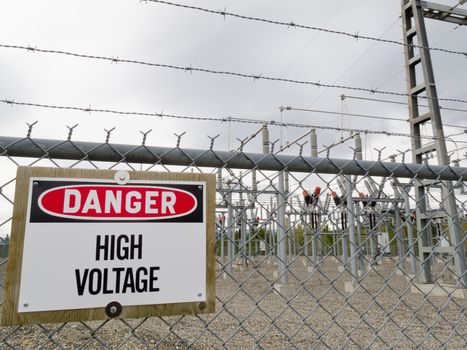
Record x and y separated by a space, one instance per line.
291 24
403 69
161 115
300 54
400 103
218 72
346 70
358 115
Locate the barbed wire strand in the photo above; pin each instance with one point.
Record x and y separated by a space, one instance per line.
291 24
217 119
221 72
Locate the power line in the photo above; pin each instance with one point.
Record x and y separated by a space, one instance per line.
444 76
399 103
301 53
355 36
357 60
217 119
288 108
219 72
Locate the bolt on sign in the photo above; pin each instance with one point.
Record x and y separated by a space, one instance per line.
98 244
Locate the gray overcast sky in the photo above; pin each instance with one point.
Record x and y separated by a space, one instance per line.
159 33
152 32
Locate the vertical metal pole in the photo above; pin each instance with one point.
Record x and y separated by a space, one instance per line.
460 183
222 223
281 234
409 225
288 232
253 237
289 237
358 156
265 134
230 232
219 179
345 243
334 248
243 237
243 219
314 245
291 228
250 234
222 228
305 234
373 236
351 226
359 236
399 235
274 225
271 228
455 232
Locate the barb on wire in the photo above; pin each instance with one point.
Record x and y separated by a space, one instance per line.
213 139
380 150
292 24
242 143
107 137
30 126
160 115
70 131
301 145
179 137
230 73
273 143
145 134
403 154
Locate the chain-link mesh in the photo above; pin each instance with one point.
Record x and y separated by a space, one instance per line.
339 255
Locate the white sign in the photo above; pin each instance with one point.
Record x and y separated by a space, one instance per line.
91 242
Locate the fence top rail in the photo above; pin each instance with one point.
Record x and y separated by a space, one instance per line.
110 152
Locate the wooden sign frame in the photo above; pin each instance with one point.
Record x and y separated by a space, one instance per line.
10 315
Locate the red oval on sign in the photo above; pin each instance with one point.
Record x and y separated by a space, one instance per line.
109 202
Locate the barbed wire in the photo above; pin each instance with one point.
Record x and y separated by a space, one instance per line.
222 72
217 119
291 24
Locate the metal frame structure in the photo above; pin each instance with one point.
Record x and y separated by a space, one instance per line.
420 81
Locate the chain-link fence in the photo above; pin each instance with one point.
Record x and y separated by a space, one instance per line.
312 253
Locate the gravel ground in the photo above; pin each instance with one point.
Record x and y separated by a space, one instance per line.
320 315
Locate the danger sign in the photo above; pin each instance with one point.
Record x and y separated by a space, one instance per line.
91 242
108 202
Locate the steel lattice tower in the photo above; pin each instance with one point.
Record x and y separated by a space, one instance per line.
421 84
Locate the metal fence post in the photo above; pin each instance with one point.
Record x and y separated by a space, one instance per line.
281 234
455 235
409 225
230 232
399 235
351 226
